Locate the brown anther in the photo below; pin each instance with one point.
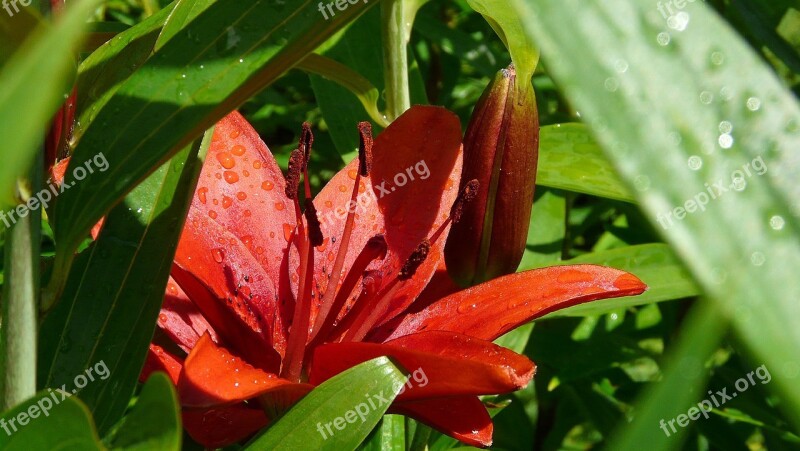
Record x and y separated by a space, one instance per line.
293 175
314 229
415 260
365 148
466 196
306 141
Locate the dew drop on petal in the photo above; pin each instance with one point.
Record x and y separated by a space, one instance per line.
267 185
238 150
226 202
218 255
231 177
212 214
279 206
241 195
226 160
287 231
201 194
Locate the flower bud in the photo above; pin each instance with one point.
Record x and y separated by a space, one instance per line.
501 149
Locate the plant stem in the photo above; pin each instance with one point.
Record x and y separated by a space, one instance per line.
394 35
21 297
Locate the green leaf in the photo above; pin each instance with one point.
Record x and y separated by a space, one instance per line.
36 80
570 159
104 71
683 110
53 420
330 404
226 54
111 302
509 26
681 386
154 422
388 435
546 230
358 49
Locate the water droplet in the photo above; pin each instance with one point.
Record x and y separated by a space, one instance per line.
679 21
621 66
183 75
725 141
725 127
231 177
218 255
695 162
226 202
611 84
241 195
757 259
663 38
162 318
238 150
212 214
753 104
726 93
267 185
241 60
226 160
717 58
706 97
287 231
279 206
777 222
256 164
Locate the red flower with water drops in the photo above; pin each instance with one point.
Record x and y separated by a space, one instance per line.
272 294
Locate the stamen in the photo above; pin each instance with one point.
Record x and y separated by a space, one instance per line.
293 176
304 146
415 260
314 229
364 159
375 249
365 148
466 196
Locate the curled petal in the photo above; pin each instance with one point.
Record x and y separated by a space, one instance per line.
440 363
463 418
213 376
491 309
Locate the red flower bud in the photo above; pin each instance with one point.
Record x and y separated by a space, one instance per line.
501 149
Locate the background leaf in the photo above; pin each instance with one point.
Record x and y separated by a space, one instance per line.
110 306
723 111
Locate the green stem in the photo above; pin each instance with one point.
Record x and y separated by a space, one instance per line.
20 298
394 34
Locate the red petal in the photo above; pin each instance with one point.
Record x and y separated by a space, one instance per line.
441 364
223 426
213 376
463 418
160 360
491 309
233 240
424 142
181 320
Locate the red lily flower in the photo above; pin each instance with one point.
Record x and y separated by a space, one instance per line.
268 299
